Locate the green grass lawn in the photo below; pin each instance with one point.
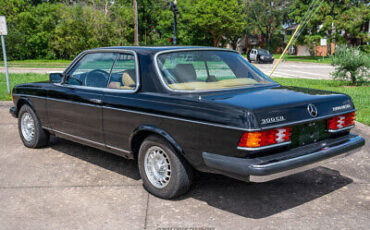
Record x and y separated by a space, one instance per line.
38 63
359 94
315 59
16 79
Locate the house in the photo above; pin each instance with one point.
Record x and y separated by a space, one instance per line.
306 50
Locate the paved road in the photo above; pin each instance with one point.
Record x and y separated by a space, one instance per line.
70 186
298 70
31 70
285 69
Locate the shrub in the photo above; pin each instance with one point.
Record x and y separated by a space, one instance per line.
351 64
61 31
365 48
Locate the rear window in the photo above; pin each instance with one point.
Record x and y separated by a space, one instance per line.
208 70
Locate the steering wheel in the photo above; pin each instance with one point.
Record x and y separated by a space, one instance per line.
97 78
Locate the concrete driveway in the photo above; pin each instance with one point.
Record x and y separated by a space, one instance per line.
70 186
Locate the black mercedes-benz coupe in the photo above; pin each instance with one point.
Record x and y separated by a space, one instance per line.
179 109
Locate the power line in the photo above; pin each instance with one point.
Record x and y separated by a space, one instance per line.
305 20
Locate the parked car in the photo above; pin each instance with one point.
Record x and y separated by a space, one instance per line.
180 109
260 56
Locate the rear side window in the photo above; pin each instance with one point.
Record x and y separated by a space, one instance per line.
123 75
93 70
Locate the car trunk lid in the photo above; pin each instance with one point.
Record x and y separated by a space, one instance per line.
279 105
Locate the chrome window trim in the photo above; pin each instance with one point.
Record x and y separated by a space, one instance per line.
342 129
264 147
87 140
199 122
161 78
119 51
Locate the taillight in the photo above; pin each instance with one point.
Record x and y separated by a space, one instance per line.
341 121
265 138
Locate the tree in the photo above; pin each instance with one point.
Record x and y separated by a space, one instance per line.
341 21
351 64
267 17
354 21
11 8
219 19
80 28
37 24
155 21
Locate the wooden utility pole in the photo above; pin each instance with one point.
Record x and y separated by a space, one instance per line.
136 29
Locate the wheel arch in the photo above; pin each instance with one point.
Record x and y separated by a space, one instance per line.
142 132
22 101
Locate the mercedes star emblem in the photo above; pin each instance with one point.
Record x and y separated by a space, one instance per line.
312 110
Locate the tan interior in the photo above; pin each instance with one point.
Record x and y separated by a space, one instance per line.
114 85
227 83
127 80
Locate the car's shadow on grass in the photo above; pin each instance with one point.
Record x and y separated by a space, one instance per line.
249 200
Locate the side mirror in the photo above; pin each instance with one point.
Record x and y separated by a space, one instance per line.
55 77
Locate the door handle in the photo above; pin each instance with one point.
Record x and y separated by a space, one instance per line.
96 101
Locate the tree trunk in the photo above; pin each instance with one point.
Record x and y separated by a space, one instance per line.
234 44
216 41
353 77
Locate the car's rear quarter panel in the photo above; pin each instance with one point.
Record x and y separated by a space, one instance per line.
194 125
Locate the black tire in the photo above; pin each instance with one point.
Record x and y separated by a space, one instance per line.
40 137
181 175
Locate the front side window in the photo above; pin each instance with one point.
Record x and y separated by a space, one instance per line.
92 70
208 70
123 73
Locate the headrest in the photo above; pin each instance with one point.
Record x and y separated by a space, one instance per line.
128 78
114 85
185 73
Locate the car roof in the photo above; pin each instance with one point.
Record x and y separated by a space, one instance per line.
156 49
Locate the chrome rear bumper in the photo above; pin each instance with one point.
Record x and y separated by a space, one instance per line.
296 160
